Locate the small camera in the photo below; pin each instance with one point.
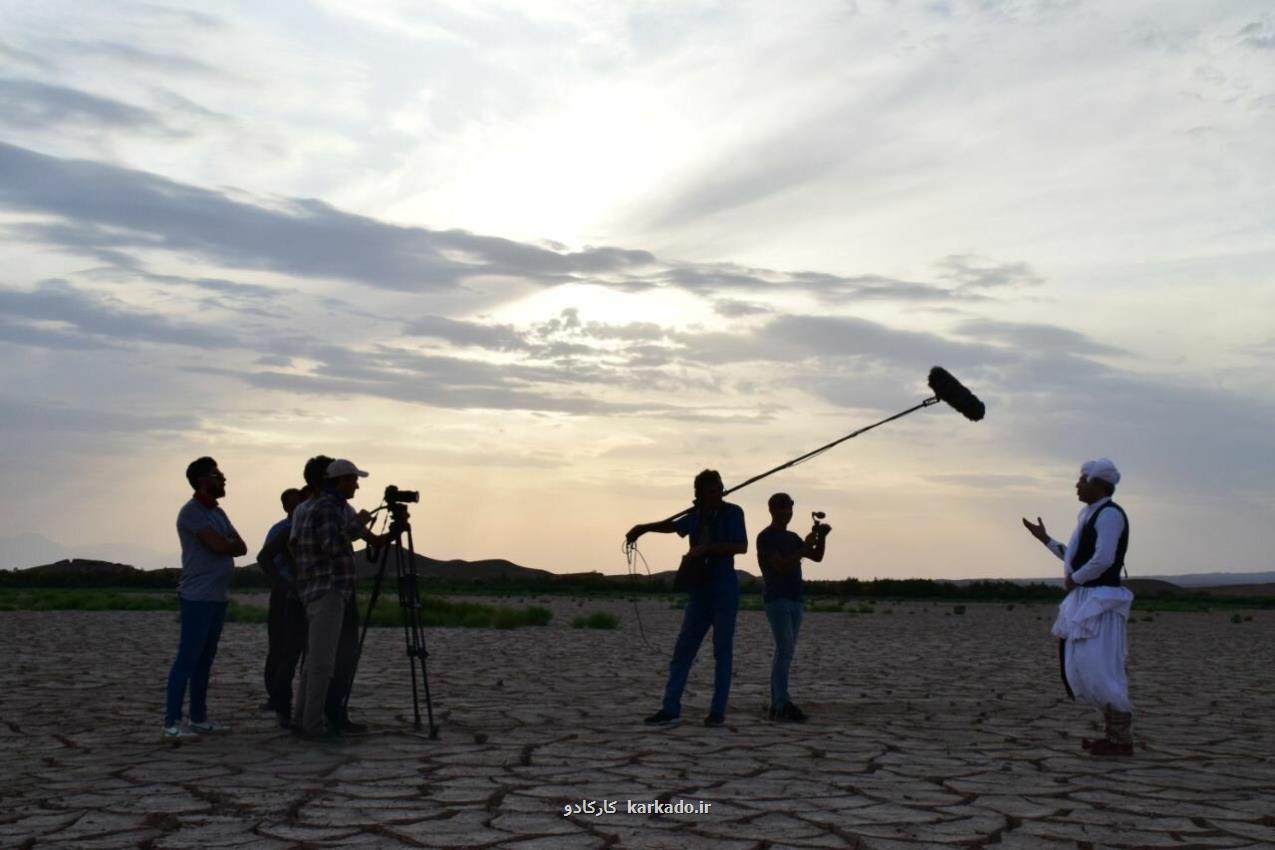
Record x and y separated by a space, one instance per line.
818 527
395 496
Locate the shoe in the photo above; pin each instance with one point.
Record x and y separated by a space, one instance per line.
661 718
177 730
789 713
714 720
327 735
206 728
1110 748
349 727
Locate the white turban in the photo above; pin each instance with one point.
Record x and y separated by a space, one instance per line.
1103 469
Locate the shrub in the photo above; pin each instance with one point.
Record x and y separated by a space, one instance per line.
596 620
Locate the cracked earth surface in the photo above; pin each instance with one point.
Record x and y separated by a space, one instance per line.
927 729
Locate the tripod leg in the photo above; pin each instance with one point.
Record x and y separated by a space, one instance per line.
367 621
417 642
407 604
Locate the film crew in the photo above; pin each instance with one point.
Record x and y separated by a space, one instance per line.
285 622
322 546
717 534
1091 624
209 544
779 554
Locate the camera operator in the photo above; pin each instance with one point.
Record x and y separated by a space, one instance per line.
779 554
322 545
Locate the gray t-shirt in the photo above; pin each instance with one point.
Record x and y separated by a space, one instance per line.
205 574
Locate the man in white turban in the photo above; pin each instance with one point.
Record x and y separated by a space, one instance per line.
1092 617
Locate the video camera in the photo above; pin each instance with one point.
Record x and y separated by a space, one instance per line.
395 496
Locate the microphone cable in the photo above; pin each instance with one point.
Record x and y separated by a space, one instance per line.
631 556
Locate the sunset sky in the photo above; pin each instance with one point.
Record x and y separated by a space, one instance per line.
544 261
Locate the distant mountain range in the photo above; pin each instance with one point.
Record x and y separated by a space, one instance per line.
20 552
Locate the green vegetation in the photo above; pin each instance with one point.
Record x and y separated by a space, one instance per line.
596 620
435 611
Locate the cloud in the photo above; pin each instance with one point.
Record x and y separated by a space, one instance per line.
60 302
456 332
1035 337
137 57
972 272
1258 34
733 309
41 418
27 104
104 206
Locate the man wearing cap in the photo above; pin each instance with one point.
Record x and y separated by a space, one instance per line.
779 554
322 545
1091 619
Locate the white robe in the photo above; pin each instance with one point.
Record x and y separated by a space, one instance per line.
1092 619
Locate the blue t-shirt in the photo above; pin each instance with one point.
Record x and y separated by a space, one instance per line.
779 584
284 527
725 526
205 574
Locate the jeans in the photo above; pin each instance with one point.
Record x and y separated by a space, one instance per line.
785 622
286 628
715 607
197 647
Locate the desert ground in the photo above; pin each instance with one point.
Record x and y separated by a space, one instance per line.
928 728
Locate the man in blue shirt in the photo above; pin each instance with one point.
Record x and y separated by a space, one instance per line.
285 622
779 554
717 534
210 545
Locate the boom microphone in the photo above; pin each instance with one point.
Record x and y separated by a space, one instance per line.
952 391
945 387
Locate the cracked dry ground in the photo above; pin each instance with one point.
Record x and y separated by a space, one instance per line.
927 729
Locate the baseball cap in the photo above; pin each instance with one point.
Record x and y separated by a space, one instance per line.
337 468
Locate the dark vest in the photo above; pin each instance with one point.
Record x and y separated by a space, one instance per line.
1089 541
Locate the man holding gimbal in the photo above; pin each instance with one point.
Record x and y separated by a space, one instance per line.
323 547
779 554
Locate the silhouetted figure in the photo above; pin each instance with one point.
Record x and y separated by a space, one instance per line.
779 554
717 534
209 546
285 622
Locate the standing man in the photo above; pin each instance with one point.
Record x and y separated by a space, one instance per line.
1092 617
210 545
285 622
322 545
779 554
717 534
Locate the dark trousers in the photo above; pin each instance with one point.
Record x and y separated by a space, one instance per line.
347 650
713 607
201 624
286 630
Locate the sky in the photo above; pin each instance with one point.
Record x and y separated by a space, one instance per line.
544 261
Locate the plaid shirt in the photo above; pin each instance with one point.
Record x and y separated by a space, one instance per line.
322 546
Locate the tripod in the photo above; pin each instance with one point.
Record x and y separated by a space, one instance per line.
409 604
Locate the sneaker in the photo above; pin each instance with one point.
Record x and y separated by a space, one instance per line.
714 720
661 718
789 713
207 728
177 730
